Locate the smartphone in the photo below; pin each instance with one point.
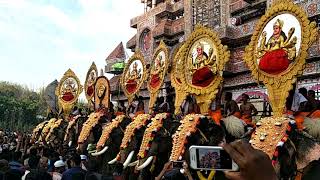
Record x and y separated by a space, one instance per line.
211 157
177 164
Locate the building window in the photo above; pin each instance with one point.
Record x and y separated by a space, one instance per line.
206 13
145 40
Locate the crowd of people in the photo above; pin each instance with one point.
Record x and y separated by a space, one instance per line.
19 159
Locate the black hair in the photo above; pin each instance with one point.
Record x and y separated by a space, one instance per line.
38 175
312 92
93 165
33 151
174 174
76 159
228 96
303 91
16 156
33 162
246 95
12 175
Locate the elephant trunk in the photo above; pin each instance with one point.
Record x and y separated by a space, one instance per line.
128 160
100 152
145 164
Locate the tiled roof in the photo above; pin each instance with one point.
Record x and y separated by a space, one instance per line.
117 53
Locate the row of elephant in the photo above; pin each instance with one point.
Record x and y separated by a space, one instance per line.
142 145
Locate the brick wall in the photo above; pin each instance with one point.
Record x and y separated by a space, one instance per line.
237 4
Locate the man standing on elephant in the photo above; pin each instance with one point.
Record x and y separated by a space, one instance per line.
247 110
231 106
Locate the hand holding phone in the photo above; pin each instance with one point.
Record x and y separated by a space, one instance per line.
211 157
254 164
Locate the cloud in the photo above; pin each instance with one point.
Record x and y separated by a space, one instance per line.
41 40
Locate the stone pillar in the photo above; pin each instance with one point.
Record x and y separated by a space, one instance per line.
153 3
187 18
145 6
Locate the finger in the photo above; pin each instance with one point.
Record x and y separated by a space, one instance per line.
234 154
233 175
242 147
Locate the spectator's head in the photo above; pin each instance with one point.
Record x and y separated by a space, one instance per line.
311 94
245 97
38 175
304 92
228 96
4 165
12 175
93 165
59 166
16 156
33 162
33 151
43 163
75 160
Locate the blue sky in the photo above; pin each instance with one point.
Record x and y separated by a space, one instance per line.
41 39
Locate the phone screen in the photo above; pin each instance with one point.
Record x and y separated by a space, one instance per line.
177 164
213 159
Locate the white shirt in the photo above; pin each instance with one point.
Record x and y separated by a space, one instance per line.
25 174
297 100
56 176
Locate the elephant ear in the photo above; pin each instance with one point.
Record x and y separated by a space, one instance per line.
307 149
312 126
234 126
287 165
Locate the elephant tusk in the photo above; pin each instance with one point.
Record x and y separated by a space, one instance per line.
113 161
100 152
145 164
127 161
70 143
133 163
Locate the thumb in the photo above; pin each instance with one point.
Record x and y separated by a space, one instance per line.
233 175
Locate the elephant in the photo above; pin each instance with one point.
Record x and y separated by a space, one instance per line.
299 153
292 149
45 131
156 145
131 142
37 131
56 135
91 130
109 143
73 130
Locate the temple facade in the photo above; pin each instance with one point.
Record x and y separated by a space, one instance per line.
234 20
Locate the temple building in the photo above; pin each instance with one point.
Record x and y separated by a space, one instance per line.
234 20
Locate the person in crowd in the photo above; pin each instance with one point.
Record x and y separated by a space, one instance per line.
43 163
215 108
75 170
38 174
170 173
231 106
93 168
4 167
84 162
247 110
313 105
304 92
253 164
59 168
15 164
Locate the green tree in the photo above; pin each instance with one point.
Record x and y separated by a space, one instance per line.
20 107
